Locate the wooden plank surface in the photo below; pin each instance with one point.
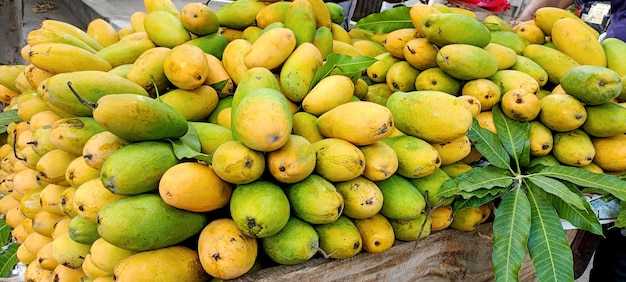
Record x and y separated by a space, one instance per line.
447 255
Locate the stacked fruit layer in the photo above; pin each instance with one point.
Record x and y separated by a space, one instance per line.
214 141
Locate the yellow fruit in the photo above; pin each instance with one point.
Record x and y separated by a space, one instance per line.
562 112
467 219
505 56
182 263
376 233
220 255
186 66
338 159
453 151
194 187
91 197
358 122
573 148
102 31
441 217
381 161
43 222
541 139
271 49
238 164
292 162
610 152
199 19
304 124
396 40
521 105
105 255
78 172
420 53
485 120
531 32
361 197
473 104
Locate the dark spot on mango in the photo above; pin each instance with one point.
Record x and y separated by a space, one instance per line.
81 208
282 168
71 175
357 245
433 82
578 116
519 100
369 201
216 256
545 146
376 243
251 223
249 162
383 129
88 157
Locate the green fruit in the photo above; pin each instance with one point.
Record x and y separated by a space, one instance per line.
401 200
431 184
213 44
337 13
296 243
315 200
443 29
466 62
239 14
165 29
260 208
605 120
409 229
509 39
82 230
416 158
145 222
573 148
592 85
339 239
137 168
71 134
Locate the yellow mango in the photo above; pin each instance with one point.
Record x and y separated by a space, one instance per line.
292 162
362 197
521 105
541 139
233 59
249 163
186 66
485 90
147 70
218 77
102 31
369 48
274 12
571 38
417 13
359 122
546 17
453 151
165 29
271 49
610 152
194 105
396 40
376 233
182 263
199 19
573 148
318 102
401 76
296 74
512 79
323 40
239 14
338 159
305 125
420 53
505 56
381 161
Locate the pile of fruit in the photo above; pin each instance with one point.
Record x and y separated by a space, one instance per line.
213 141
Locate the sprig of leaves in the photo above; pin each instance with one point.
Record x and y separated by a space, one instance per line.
345 64
6 118
387 21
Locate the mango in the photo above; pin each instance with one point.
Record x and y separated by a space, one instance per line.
420 53
562 112
194 187
161 5
376 232
296 74
296 243
411 229
149 118
315 200
592 85
199 19
233 59
531 32
520 105
571 38
339 239
436 79
396 40
99 147
509 39
91 197
120 171
211 136
610 152
615 51
416 157
553 61
362 197
71 134
305 125
254 78
573 148
348 122
429 186
225 251
147 70
401 77
467 219
381 161
90 85
43 222
440 29
546 17
238 164
495 22
505 56
323 40
425 114
377 71
300 17
68 252
165 29
605 120
105 255
127 50
213 43
541 139
183 263
274 12
239 15
401 200
528 66
174 225
338 159
83 231
418 12
462 60
292 162
52 166
260 209
194 105
186 66
271 49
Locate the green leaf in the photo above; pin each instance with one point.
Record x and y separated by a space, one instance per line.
219 86
547 245
346 63
511 228
191 138
513 135
621 216
6 118
5 232
488 144
188 146
473 201
558 189
387 21
585 178
584 219
484 178
8 260
453 187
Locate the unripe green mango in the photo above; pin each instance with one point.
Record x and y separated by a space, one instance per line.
213 44
592 85
301 19
127 50
315 200
296 243
466 62
416 157
211 136
531 68
145 222
401 200
71 134
509 39
137 118
443 29
137 168
82 230
340 239
605 120
165 29
260 208
239 14
615 51
90 85
296 74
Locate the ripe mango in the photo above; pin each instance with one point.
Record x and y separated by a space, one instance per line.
127 50
376 232
521 105
467 219
161 5
546 17
541 139
274 12
338 159
418 12
416 157
505 56
239 14
115 223
165 29
420 53
553 61
605 120
105 255
194 105
562 112
573 148
225 251
90 85
528 66
233 59
610 152
323 40
61 58
381 161
182 263
339 239
396 40
571 38
186 66
401 76
315 200
68 252
461 61
78 172
147 70
238 164
377 71
592 85
199 19
271 49
615 51
495 22
401 200
292 162
305 125
441 29
425 114
99 147
120 171
259 221
149 118
358 122
296 243
362 197
91 197
436 79
296 74
71 134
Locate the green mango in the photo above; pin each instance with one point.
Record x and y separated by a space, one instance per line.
137 167
443 29
401 200
82 230
260 208
605 120
239 14
296 243
145 222
339 239
71 134
315 200
213 44
165 29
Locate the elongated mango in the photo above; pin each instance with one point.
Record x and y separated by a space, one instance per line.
60 58
359 122
71 134
234 57
571 38
615 51
127 50
466 62
41 35
147 70
300 17
239 14
137 118
441 29
274 12
165 29
317 101
271 49
553 61
102 31
67 28
296 74
91 85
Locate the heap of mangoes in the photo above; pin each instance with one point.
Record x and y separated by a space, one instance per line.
196 143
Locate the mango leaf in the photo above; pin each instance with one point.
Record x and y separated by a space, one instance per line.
5 232
585 178
584 219
346 63
513 135
188 146
488 144
621 216
478 178
511 228
6 118
387 21
219 86
8 259
191 138
547 245
473 201
558 189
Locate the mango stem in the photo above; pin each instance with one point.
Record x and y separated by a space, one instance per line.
85 102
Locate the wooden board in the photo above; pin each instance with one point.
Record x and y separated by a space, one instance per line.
447 255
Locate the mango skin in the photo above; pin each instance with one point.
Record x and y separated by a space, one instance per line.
137 168
182 263
401 200
592 85
239 14
441 29
296 74
466 62
165 29
605 120
359 122
161 224
296 243
553 61
615 51
571 38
